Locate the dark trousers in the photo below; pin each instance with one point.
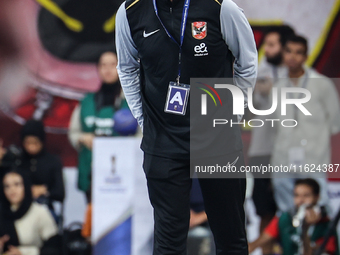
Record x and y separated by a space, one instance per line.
169 185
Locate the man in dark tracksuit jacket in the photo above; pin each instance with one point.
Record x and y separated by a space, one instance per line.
148 59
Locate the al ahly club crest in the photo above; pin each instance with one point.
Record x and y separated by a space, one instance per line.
199 29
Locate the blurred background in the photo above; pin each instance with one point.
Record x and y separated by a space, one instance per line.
49 55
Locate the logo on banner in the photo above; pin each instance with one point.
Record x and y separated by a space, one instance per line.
199 29
113 177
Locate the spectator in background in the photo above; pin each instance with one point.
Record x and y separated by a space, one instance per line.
271 69
45 169
300 235
24 224
272 66
94 117
308 143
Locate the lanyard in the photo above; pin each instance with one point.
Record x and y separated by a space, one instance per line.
183 23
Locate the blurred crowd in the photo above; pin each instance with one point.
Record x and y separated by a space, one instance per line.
32 179
294 210
278 197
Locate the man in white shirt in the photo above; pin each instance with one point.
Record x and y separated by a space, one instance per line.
270 70
308 143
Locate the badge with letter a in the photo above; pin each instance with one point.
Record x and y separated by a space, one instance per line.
199 29
177 98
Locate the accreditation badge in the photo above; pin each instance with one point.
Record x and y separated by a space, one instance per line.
177 98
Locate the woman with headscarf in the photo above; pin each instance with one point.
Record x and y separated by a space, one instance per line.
24 224
93 117
45 169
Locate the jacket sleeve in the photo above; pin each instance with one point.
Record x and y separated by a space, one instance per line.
128 65
29 250
46 229
239 37
47 226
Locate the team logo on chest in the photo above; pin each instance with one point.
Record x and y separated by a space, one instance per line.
199 29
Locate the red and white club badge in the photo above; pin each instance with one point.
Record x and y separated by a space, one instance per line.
199 29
